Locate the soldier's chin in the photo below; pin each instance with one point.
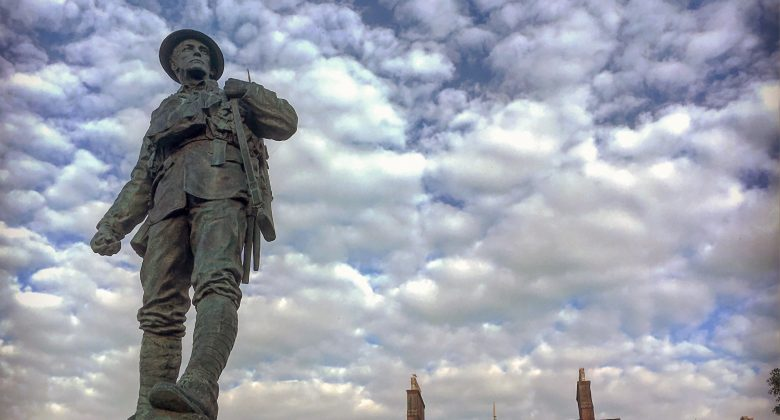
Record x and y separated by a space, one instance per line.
197 73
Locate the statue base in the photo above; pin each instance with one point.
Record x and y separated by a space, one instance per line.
158 414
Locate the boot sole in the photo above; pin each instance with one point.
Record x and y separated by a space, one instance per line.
172 398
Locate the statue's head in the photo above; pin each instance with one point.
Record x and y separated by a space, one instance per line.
188 51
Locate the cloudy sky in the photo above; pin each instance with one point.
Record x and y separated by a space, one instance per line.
488 193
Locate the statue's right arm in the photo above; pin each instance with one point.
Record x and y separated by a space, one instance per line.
133 203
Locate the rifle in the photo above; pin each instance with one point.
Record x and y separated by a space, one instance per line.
252 238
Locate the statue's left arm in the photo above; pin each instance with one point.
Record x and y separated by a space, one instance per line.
269 116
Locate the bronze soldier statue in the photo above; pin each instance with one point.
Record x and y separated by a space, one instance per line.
202 184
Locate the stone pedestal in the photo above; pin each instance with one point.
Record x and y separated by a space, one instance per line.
158 414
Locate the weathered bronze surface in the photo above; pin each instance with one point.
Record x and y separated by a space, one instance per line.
203 203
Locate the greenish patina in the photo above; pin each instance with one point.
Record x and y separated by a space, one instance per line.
203 204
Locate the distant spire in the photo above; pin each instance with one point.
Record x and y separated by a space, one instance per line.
584 399
415 385
494 410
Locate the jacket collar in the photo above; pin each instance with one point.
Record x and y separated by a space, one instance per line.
207 85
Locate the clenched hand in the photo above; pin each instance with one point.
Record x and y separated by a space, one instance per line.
235 88
105 242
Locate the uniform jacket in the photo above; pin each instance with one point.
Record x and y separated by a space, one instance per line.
191 148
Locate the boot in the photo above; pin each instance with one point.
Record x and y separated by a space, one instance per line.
159 362
216 325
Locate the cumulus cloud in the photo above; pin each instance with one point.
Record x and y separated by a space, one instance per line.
431 20
31 134
420 64
554 56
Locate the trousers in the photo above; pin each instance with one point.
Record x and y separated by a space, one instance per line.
200 247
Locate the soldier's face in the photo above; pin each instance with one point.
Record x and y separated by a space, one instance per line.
192 57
